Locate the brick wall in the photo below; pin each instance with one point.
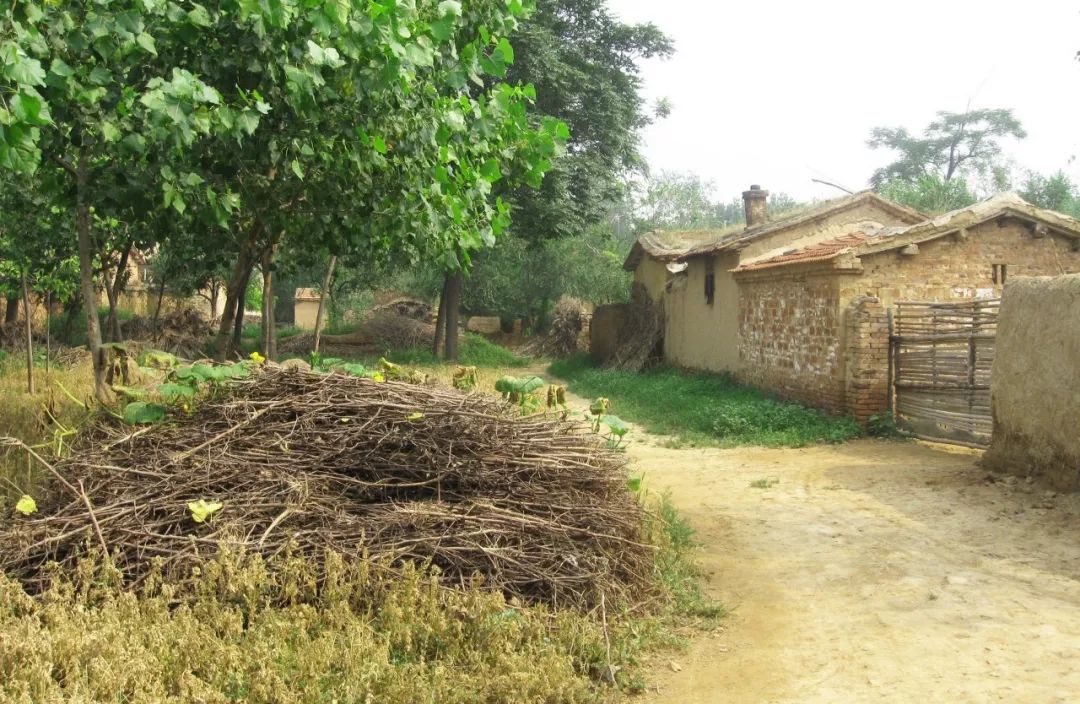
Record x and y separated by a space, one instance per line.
955 267
790 337
866 358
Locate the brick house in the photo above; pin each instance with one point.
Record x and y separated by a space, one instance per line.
799 306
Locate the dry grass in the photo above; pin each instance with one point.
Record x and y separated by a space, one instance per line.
38 418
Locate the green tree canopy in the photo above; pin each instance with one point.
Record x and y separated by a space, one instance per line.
953 145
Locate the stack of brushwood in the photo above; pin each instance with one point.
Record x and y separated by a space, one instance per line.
182 332
379 332
306 464
564 338
640 344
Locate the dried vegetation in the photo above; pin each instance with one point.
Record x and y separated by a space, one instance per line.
305 463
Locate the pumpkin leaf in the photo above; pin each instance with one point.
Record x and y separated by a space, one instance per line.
26 505
202 510
141 412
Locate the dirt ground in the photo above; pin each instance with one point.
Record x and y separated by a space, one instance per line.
873 571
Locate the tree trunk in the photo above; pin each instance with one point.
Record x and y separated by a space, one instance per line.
86 277
113 291
240 311
29 336
215 293
453 305
440 320
71 311
11 312
234 293
322 302
157 308
269 333
48 333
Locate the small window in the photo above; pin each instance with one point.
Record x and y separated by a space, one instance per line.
710 287
997 273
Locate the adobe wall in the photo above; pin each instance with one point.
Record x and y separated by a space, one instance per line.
607 321
653 275
791 336
1035 387
700 335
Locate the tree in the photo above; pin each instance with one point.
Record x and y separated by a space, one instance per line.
1054 192
684 201
929 193
953 145
584 64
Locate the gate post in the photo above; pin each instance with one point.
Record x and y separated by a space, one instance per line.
868 376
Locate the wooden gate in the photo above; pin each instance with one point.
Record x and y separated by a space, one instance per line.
942 354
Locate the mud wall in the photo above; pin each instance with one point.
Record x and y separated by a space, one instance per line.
1035 386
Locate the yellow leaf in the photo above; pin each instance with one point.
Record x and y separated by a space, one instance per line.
26 505
257 358
378 376
414 416
201 510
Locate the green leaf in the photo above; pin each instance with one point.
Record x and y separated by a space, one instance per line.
450 7
175 392
490 170
109 132
378 144
616 424
147 42
202 510
506 49
141 412
297 169
199 17
26 505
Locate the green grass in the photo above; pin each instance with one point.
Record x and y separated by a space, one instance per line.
474 351
701 409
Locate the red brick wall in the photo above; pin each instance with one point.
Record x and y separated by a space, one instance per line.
790 337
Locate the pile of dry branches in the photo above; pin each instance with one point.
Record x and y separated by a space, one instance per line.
564 337
182 332
641 337
389 472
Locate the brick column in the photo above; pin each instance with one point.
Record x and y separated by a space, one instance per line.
866 358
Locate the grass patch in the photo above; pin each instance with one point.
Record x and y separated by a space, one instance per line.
474 351
701 409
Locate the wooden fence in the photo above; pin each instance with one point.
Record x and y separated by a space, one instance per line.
942 354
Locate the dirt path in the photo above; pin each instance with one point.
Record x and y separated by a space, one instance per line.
874 571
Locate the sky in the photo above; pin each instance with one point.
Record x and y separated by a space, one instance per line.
781 92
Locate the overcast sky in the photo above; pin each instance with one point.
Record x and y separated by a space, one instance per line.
781 92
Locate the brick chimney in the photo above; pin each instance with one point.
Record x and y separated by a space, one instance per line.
754 203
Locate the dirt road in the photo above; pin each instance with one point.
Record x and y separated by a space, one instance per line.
874 572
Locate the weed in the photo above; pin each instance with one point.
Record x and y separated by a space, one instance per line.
767 483
704 409
883 425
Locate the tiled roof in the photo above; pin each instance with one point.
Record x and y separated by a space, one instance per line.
306 294
744 237
863 239
668 245
820 251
